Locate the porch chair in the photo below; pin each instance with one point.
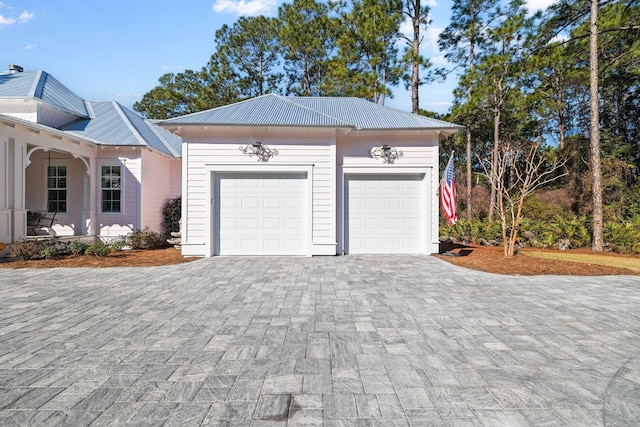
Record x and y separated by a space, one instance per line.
39 220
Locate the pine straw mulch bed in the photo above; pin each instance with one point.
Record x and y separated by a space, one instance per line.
491 260
130 258
484 258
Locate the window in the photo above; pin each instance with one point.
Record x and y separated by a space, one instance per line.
57 189
111 189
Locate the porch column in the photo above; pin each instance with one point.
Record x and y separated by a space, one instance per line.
18 175
90 197
5 211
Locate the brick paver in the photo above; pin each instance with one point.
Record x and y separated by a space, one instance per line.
327 341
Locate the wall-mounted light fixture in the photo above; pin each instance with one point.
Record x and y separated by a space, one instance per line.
260 150
386 153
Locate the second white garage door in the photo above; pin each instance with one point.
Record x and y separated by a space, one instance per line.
261 214
384 214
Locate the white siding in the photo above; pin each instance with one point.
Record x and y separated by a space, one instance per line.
419 149
19 108
296 147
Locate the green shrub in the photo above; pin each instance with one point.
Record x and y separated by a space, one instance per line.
77 247
473 231
536 210
27 249
146 239
623 236
49 251
171 213
118 244
574 228
98 248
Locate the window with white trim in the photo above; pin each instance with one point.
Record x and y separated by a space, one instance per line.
111 185
57 189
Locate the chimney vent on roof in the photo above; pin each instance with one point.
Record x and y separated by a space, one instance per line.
13 68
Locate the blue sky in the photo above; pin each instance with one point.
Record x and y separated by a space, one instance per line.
117 50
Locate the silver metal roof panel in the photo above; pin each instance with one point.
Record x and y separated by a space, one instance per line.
114 125
366 115
41 85
266 110
276 110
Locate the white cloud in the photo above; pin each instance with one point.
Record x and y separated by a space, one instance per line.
406 28
431 38
6 21
245 8
536 5
30 46
439 60
128 95
25 17
169 67
559 38
432 3
430 34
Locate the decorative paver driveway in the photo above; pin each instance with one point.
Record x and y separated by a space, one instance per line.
333 341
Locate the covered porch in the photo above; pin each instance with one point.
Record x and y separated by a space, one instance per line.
45 173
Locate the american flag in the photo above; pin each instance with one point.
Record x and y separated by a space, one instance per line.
448 193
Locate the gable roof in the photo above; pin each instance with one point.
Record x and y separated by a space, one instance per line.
291 111
41 85
113 124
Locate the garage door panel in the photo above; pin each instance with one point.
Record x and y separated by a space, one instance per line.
293 202
383 214
228 202
249 223
260 214
393 203
271 224
272 202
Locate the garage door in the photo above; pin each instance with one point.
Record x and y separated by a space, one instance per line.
261 214
384 214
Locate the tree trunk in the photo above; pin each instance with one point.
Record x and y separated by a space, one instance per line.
415 71
494 160
594 134
469 169
562 133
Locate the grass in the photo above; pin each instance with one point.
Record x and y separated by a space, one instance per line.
612 261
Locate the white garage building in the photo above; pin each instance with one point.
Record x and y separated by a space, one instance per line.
308 176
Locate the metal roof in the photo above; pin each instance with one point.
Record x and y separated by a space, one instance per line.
113 124
366 115
41 85
276 110
266 110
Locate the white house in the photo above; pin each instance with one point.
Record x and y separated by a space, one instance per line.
101 168
308 176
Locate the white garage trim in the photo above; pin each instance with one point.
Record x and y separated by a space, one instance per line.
425 246
261 170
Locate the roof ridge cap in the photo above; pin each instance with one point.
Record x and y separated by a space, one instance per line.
38 83
286 98
128 123
151 126
89 107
